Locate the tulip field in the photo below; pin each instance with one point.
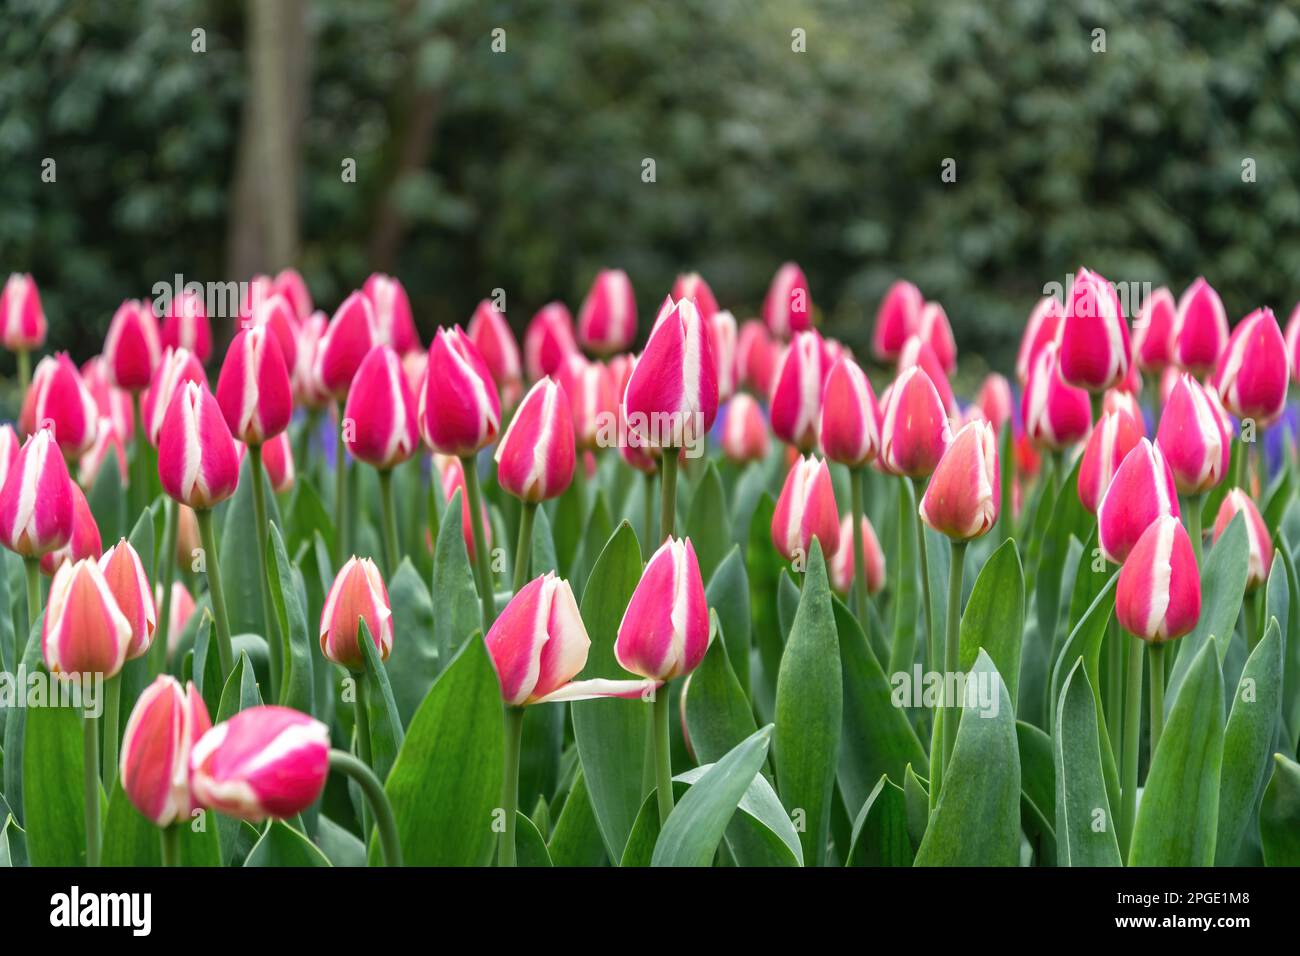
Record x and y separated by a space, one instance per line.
295 588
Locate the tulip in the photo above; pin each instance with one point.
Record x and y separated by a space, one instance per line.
964 493
112 402
9 446
844 566
133 346
1258 540
1159 592
461 410
126 580
1292 339
394 324
357 594
1200 329
36 502
916 353
1141 491
277 457
491 334
107 443
1153 332
1043 327
186 326
177 367
253 389
722 344
22 320
1094 349
744 431
607 319
351 335
1118 401
805 510
1251 377
795 403
995 401
263 762
277 316
548 340
1056 415
673 381
850 431
164 725
914 431
896 320
933 329
756 357
593 403
289 283
535 458
1194 436
1113 437
85 541
692 286
84 630
380 411
787 308
308 390
59 400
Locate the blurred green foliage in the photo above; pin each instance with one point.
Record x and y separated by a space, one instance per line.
1129 160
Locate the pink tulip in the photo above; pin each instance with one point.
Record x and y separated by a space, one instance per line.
276 315
107 443
548 340
1200 330
1251 377
124 573
914 429
352 333
665 629
964 493
253 389
9 445
672 395
394 323
535 459
263 762
460 411
933 329
805 510
452 479
1119 401
379 421
722 344
842 564
850 429
1056 415
198 463
277 459
85 541
1195 436
186 326
1043 328
1159 593
795 402
1258 540
1141 491
744 430
182 609
36 502
995 401
593 402
607 318
133 346
177 367
165 723
290 284
787 309
112 402
917 353
22 320
357 594
1113 437
1094 351
756 357
491 334
84 631
1153 332
59 400
308 390
896 320
257 291
692 286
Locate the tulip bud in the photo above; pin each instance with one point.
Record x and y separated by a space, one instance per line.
756 357
1113 437
787 309
805 510
84 631
277 459
308 390
253 389
186 326
1118 401
59 400
535 459
276 315
461 411
914 430
1292 339
1153 332
36 502
917 354
198 463
672 396
1251 377
607 319
165 723
692 286
842 564
177 367
133 347
965 491
896 320
9 446
188 540
490 333
1259 542
665 629
111 402
452 478
1195 437
348 340
995 401
1159 593
593 402
1200 329
22 320
1141 491
744 431
263 762
722 343
381 412
130 588
1056 415
394 324
1094 351
289 283
548 340
107 444
850 432
357 594
1043 327
85 541
933 329
795 403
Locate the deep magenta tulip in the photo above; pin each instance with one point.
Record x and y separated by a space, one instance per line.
1094 342
896 320
198 463
394 324
178 366
1195 436
185 326
461 411
133 346
671 398
36 503
665 629
491 334
795 402
607 318
1258 540
691 285
536 456
352 333
914 426
59 400
379 421
787 308
548 340
22 320
253 389
1056 415
1141 491
744 430
1043 327
1251 377
1200 330
1153 332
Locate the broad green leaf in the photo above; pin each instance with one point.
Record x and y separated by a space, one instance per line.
880 830
530 848
308 516
207 662
1290 653
53 786
728 594
1223 584
340 846
596 534
385 724
1037 792
543 545
576 840
540 752
282 845
1279 814
131 840
240 577
916 800
1085 641
718 715
457 613
413 661
762 834
764 565
645 834
809 710
567 521
994 618
1085 827
239 693
907 598
288 603
105 500
704 525
13 843
1178 815
788 596
1277 498
1069 518
16 724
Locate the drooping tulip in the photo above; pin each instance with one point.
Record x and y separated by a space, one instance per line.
593 402
452 479
277 459
379 421
1113 437
933 329
58 400
185 326
607 318
357 594
163 727
290 284
756 357
36 502
672 396
722 344
964 494
1141 491
253 389
1251 377
461 411
805 510
744 430
548 340
896 320
665 629
691 285
1153 332
394 323
1094 349
842 565
178 366
133 346
1194 436
914 426
1043 327
1158 597
850 430
346 343
491 334
22 319
535 459
85 541
1200 330
995 401
308 390
264 762
787 308
85 631
198 463
795 402
124 573
1258 540
1056 415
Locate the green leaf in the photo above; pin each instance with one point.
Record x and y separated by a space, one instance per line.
543 545
1279 814
13 843
916 798
385 724
1177 819
762 833
447 776
340 846
457 613
977 819
994 618
763 565
240 577
1290 652
880 831
282 845
53 758
413 661
1223 585
645 834
1085 827
288 603
705 526
131 840
530 848
611 734
809 710
728 594
1085 641
240 693
207 663
16 723
1037 792
1247 741
907 599
596 534
307 516
105 500
576 839
718 715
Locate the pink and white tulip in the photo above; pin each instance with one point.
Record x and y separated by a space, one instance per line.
85 632
1141 491
1056 415
795 402
1153 332
1113 437
1200 330
722 343
916 353
593 401
177 367
692 286
253 389
1044 327
9 445
290 284
379 422
787 308
665 629
1252 374
308 390
1158 597
352 333
744 430
1094 342
357 594
850 420
22 319
756 357
37 505
277 459
548 340
277 316
896 320
1258 540
995 401
964 494
460 411
933 328
536 456
59 400
607 318
85 541
1195 436
126 580
133 346
491 334
842 565
914 426
112 402
164 725
674 381
107 445
394 323
185 326
198 463
805 510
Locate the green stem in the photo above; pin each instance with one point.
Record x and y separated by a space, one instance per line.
341 550
510 785
304 440
212 562
33 567
524 550
923 562
171 845
1250 612
1156 676
390 520
663 755
1114 683
1193 514
859 557
90 728
361 711
477 517
649 512
171 528
380 808
667 496
139 474
952 708
1132 734
273 637
112 725
24 372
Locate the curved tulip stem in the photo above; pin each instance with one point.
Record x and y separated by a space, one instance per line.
931 636
1193 512
663 753
1156 676
1132 734
212 563
171 845
171 528
273 638
952 663
380 808
112 726
667 494
477 518
24 371
859 558
510 785
341 549
390 520
524 550
33 568
90 728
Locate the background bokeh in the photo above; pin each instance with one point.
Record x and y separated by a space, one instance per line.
522 169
